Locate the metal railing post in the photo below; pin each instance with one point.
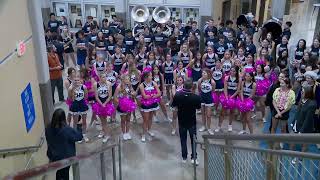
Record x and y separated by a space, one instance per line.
227 161
194 157
120 165
103 166
206 144
76 171
114 164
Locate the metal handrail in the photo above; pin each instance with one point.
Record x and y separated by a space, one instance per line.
293 138
22 150
55 166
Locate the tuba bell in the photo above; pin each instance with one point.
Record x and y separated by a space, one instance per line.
140 14
162 15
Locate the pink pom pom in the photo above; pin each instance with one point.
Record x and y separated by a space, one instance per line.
249 70
246 105
94 75
147 69
273 77
189 71
259 62
262 87
215 98
227 102
150 101
127 105
108 110
69 102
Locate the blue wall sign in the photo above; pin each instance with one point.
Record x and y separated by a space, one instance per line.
28 107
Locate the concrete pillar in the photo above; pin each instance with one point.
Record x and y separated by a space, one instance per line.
38 38
278 8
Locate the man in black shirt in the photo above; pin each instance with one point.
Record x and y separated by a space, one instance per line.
187 103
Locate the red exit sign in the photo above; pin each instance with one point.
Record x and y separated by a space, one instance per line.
21 48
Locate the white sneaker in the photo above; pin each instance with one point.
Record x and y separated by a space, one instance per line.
129 136
151 133
167 104
124 136
100 135
210 131
79 142
214 112
198 111
173 132
229 128
242 132
105 139
218 129
85 138
264 120
184 161
202 129
169 119
143 138
197 162
253 116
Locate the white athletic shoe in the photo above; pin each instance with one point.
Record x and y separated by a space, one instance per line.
184 161
100 135
129 136
124 136
169 119
210 131
198 111
242 132
264 120
202 129
143 138
105 139
173 132
229 128
218 129
85 138
197 162
151 133
167 104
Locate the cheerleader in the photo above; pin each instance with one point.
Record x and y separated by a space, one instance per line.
150 61
124 90
157 77
206 86
117 59
196 70
79 93
248 90
141 57
249 64
149 91
176 88
103 106
91 59
180 71
98 67
135 80
240 55
226 62
217 76
231 89
158 55
168 67
67 84
264 57
112 77
125 66
209 59
185 55
260 76
68 47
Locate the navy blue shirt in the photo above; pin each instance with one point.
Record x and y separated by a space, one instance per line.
210 41
220 49
250 49
213 29
286 32
160 40
82 52
130 44
61 142
53 25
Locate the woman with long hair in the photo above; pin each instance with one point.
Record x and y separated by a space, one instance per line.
68 47
135 79
315 47
206 86
91 59
177 87
112 77
180 71
227 62
168 67
283 61
196 70
231 89
117 59
124 90
151 60
209 59
149 91
247 91
103 106
61 140
110 44
141 57
67 83
185 54
217 76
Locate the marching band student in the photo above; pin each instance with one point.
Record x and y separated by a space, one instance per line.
231 89
81 49
117 59
282 46
168 68
103 106
209 59
124 90
185 55
67 84
100 43
110 44
177 87
315 47
105 29
196 68
79 93
149 91
220 47
180 71
157 77
248 90
206 86
158 55
141 57
249 46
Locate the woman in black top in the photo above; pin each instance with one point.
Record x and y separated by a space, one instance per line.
282 61
61 140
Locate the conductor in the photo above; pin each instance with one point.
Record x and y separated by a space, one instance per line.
187 103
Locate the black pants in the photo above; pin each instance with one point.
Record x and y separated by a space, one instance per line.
63 174
59 84
183 139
